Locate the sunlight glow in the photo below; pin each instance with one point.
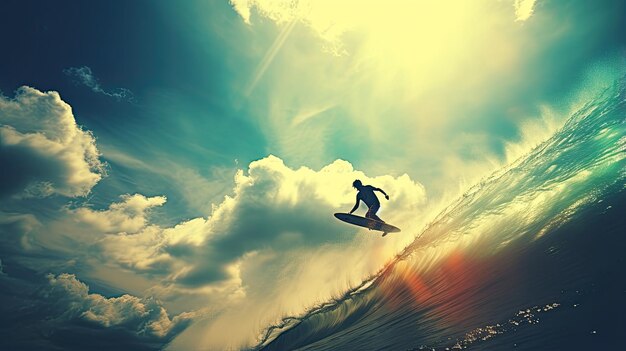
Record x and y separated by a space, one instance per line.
423 41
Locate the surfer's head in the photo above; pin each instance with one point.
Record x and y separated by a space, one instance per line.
357 184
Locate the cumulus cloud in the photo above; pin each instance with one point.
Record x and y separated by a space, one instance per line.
84 76
42 149
129 215
329 20
143 316
274 234
524 9
273 207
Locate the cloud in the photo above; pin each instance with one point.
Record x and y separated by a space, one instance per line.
16 230
273 207
524 9
329 20
276 233
44 150
57 312
143 316
242 7
195 189
84 76
128 216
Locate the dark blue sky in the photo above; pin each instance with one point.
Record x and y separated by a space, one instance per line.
176 78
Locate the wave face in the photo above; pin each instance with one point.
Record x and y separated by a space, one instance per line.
532 258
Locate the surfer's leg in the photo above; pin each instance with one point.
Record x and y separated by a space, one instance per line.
371 213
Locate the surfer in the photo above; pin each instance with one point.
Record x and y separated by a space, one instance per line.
366 194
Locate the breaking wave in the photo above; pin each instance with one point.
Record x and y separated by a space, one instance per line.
531 257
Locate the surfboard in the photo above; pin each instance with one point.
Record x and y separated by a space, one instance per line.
367 223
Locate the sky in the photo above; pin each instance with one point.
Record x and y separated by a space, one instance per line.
169 171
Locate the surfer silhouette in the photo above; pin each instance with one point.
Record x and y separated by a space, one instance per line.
366 194
371 220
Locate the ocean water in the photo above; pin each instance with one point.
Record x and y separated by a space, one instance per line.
532 258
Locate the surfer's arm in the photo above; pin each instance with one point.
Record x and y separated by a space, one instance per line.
384 193
356 205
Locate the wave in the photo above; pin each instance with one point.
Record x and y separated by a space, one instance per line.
471 265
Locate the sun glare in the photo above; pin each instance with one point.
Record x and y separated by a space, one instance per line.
423 42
